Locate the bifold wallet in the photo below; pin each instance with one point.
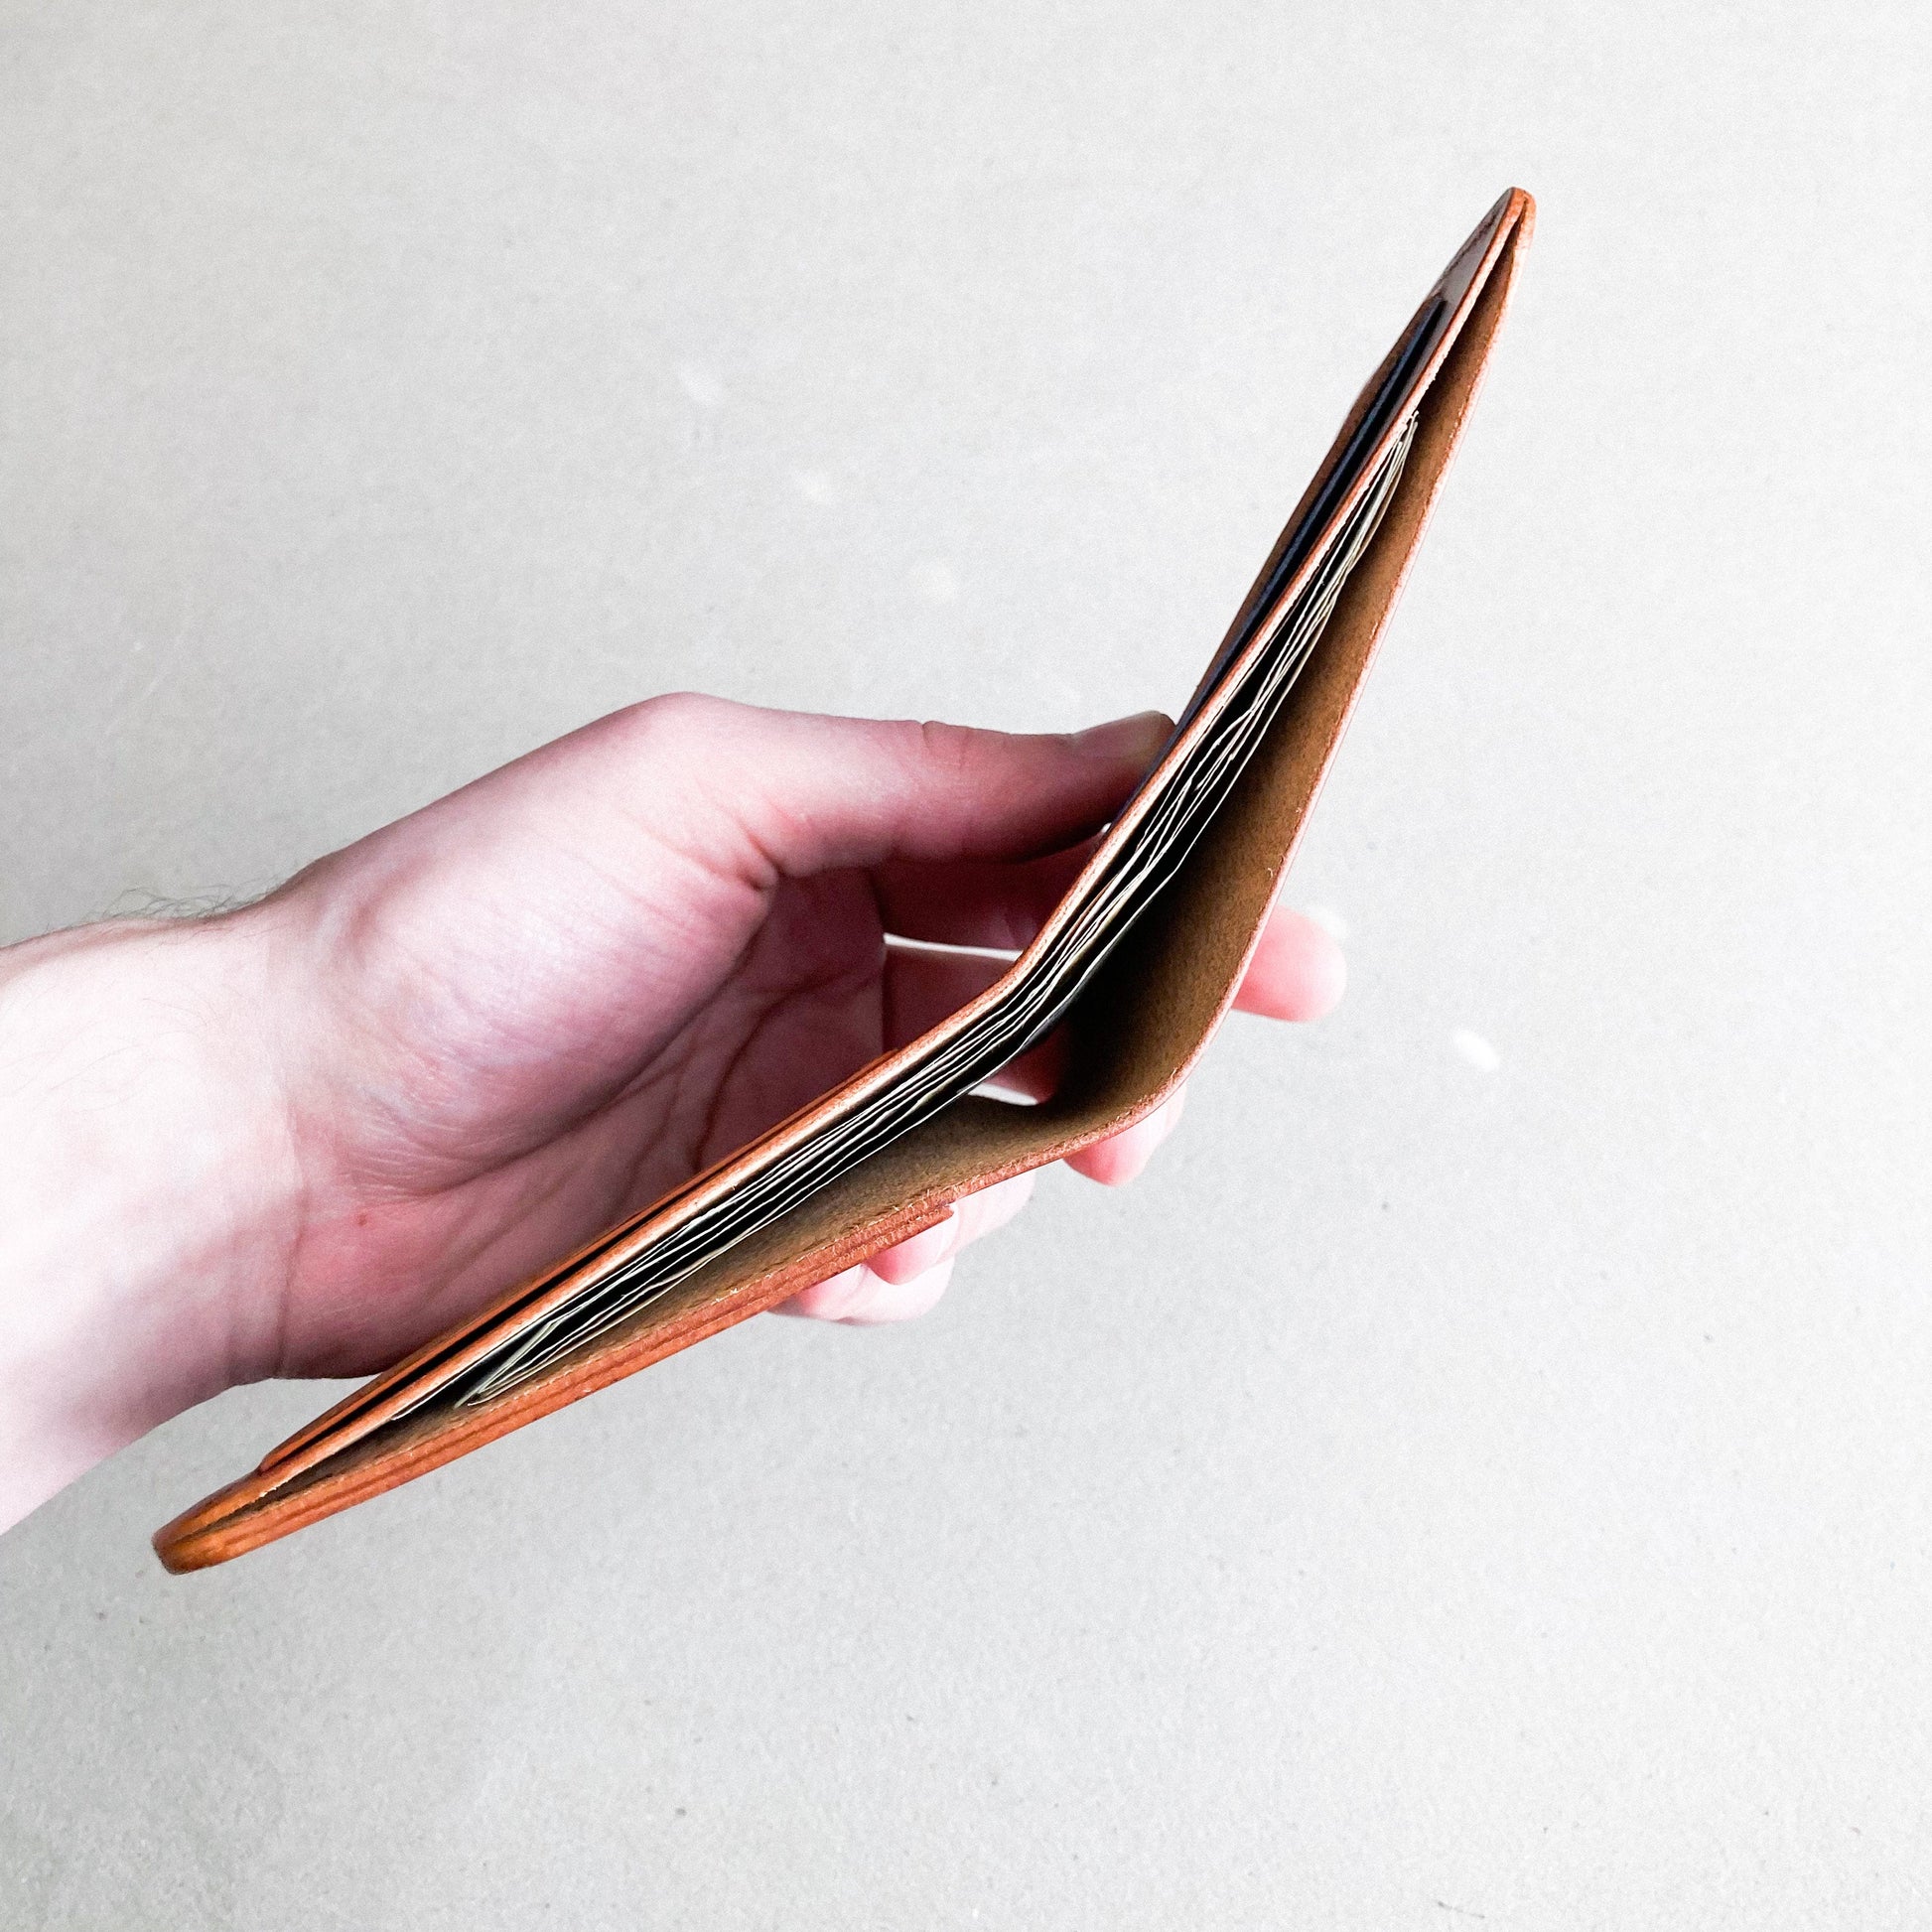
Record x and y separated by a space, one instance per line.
1136 965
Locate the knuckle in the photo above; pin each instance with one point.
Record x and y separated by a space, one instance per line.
677 718
950 751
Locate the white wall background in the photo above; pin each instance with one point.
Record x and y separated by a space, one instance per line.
1535 1522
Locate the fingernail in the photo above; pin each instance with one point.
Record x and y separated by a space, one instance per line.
1140 735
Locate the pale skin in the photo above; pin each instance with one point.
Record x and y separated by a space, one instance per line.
299 1137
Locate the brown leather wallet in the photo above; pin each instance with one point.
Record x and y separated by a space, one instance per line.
1138 1006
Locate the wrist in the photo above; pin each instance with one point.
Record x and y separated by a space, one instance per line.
149 1194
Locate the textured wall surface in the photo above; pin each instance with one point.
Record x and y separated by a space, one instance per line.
1535 1525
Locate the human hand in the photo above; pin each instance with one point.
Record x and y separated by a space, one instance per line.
436 1060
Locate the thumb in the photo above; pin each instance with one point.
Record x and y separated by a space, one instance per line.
806 793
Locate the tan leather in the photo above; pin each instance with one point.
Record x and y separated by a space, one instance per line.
1135 1033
